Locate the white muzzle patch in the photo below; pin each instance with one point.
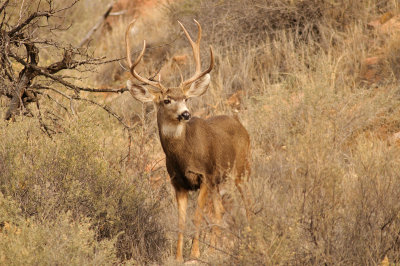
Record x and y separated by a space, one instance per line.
182 107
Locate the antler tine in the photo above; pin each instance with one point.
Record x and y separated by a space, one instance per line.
137 61
196 54
201 74
195 45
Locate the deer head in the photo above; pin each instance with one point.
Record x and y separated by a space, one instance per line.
170 102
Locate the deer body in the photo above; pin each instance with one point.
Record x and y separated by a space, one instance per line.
200 153
205 151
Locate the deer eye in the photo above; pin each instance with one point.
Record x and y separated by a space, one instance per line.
186 99
167 101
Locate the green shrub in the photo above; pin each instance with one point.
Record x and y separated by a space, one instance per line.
59 241
69 173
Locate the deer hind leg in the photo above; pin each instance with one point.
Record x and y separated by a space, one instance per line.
198 217
243 172
181 198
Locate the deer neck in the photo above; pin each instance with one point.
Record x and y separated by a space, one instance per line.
172 137
172 131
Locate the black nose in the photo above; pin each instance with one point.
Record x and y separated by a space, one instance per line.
185 115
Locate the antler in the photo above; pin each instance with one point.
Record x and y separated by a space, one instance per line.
196 54
132 66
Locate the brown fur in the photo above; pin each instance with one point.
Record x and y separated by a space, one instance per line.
208 151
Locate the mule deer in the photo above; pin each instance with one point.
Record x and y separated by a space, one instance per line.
200 154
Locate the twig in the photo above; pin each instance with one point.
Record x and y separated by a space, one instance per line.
20 11
4 5
67 84
28 20
41 87
44 127
155 163
67 7
107 109
61 93
54 100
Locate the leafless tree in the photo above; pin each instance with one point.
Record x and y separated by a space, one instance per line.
27 34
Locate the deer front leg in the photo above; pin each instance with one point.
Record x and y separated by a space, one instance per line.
218 212
195 253
181 198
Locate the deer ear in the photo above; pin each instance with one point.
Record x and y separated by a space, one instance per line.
199 87
139 92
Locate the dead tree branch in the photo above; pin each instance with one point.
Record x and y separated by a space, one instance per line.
4 5
33 16
34 79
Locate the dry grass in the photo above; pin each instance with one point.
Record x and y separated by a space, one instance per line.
325 177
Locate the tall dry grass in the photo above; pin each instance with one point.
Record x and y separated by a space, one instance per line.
325 162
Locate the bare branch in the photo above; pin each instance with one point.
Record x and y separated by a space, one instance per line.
67 7
71 98
4 5
28 20
19 87
63 64
41 87
43 72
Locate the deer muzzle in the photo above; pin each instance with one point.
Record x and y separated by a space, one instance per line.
184 116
